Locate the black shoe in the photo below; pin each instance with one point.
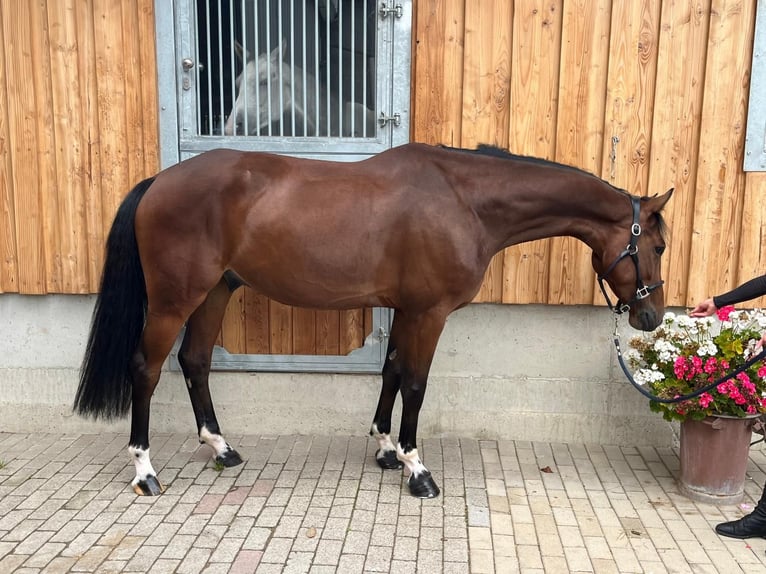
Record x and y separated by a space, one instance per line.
751 526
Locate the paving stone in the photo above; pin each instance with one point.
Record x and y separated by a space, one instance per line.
321 504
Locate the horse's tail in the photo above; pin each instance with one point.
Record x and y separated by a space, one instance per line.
118 319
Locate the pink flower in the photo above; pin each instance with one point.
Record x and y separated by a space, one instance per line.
751 410
711 364
705 400
762 372
749 387
724 312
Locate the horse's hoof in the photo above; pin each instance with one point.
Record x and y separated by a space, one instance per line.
229 458
149 487
388 460
423 486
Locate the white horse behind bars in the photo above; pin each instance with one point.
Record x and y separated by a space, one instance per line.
271 93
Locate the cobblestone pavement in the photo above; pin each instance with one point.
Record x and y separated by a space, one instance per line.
321 504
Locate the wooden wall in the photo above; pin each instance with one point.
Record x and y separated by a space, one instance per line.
554 78
561 78
78 128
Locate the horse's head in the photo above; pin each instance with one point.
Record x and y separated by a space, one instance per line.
630 263
263 92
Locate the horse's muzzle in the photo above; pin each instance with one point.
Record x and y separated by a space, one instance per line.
644 319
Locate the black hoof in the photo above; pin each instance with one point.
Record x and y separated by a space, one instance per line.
229 458
388 460
149 487
423 486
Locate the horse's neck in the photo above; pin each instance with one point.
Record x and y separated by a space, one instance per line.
576 205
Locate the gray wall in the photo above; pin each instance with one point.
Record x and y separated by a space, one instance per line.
521 372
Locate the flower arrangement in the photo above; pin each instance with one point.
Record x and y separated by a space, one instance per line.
685 354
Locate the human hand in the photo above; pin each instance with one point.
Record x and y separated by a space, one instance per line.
704 308
760 344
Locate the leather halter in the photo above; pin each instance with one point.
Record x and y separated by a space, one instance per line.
642 291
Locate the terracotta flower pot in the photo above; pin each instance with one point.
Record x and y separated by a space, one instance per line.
714 455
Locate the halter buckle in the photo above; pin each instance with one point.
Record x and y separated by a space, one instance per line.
632 249
642 293
621 308
635 229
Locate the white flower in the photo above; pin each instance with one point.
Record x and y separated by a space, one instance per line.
644 376
666 350
633 355
708 348
669 318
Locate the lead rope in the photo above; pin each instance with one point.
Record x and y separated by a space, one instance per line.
750 362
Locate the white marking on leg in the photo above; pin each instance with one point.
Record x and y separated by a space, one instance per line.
216 441
411 461
384 442
144 467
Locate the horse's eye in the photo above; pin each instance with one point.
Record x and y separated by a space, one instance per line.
659 250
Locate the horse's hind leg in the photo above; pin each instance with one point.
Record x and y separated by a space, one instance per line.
381 424
194 356
160 332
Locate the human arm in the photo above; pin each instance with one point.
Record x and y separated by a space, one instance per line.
748 290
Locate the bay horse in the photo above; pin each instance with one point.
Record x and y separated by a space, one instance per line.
412 228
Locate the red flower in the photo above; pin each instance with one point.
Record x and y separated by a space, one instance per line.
705 400
724 312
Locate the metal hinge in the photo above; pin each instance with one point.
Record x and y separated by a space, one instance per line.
385 10
382 335
395 119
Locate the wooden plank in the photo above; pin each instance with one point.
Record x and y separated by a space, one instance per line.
233 337
280 328
438 67
47 183
720 179
534 100
328 332
752 247
353 330
304 331
91 144
579 133
257 322
71 135
8 254
633 48
486 95
149 95
21 56
111 101
133 78
676 131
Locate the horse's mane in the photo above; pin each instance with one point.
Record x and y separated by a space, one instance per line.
496 151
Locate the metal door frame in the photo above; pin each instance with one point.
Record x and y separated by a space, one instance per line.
393 61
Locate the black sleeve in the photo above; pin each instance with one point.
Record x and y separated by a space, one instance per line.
749 290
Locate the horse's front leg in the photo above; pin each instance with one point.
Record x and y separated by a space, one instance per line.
417 348
194 357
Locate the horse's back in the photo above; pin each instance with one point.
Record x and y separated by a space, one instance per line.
311 232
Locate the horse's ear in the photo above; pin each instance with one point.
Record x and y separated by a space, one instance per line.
242 54
657 202
278 53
